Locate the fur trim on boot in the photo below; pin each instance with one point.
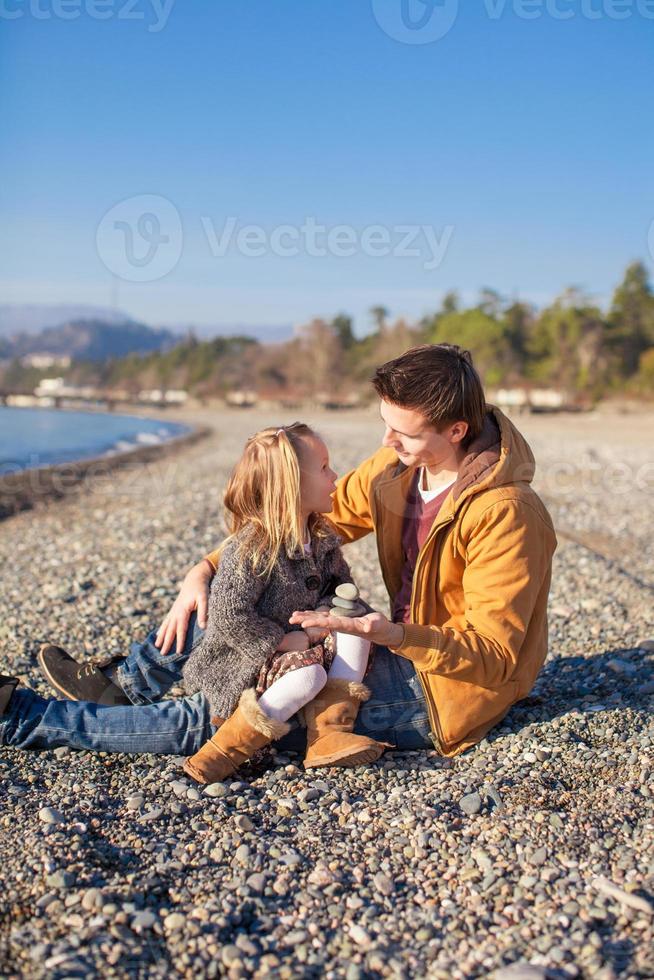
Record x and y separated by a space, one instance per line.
245 731
330 721
255 716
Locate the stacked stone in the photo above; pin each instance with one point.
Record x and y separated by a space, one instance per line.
345 602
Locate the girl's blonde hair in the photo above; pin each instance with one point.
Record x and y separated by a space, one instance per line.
263 497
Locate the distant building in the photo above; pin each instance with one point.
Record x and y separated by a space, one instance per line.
42 362
29 401
49 386
161 396
528 399
176 396
511 398
57 388
547 398
241 399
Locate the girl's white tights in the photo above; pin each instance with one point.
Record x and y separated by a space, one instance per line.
292 691
351 658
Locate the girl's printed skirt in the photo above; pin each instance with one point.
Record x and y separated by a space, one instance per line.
278 664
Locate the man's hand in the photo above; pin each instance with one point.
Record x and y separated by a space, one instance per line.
295 640
373 626
194 594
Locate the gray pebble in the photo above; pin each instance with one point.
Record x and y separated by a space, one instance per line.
339 604
471 803
144 920
48 814
216 790
178 787
520 971
174 921
359 935
383 883
60 879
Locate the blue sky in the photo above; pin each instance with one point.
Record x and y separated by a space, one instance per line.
522 143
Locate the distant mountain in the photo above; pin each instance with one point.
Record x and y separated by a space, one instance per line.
18 318
90 340
29 318
265 334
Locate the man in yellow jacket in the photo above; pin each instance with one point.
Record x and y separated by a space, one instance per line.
465 547
465 544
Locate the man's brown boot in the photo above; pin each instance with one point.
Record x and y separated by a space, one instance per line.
236 741
330 719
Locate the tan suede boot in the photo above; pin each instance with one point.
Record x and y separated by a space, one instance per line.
330 721
238 738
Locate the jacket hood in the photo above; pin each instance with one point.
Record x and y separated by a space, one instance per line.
499 455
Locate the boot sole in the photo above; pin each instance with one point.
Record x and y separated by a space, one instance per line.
350 759
194 773
50 679
208 778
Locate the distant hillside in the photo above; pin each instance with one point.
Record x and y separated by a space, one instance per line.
90 340
18 318
264 333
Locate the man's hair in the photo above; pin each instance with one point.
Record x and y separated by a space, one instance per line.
440 382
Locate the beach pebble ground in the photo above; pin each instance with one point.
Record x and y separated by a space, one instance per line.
530 857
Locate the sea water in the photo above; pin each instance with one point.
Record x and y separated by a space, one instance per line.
32 437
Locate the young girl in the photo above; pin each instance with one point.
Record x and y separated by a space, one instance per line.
255 670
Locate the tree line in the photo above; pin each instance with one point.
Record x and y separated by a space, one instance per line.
571 344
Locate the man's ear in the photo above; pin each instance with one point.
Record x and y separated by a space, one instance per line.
458 432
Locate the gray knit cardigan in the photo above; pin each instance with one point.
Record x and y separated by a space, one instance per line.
248 617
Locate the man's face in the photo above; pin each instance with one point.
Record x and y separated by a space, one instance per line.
416 441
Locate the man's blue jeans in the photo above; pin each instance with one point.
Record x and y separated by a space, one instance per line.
396 711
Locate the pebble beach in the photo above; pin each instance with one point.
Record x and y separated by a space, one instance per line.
529 857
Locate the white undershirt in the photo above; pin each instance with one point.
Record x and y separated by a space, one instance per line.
428 495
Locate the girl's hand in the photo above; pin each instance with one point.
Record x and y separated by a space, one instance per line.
318 633
373 626
295 640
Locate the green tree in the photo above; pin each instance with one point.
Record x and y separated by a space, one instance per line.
631 319
450 302
483 335
567 345
519 323
342 326
380 316
490 302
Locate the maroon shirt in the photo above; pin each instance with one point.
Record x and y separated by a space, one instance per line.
419 518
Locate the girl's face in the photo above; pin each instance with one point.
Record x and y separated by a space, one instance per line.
317 479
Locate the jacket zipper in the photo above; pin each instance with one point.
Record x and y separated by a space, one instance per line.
436 732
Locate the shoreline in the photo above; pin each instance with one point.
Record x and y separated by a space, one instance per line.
27 488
